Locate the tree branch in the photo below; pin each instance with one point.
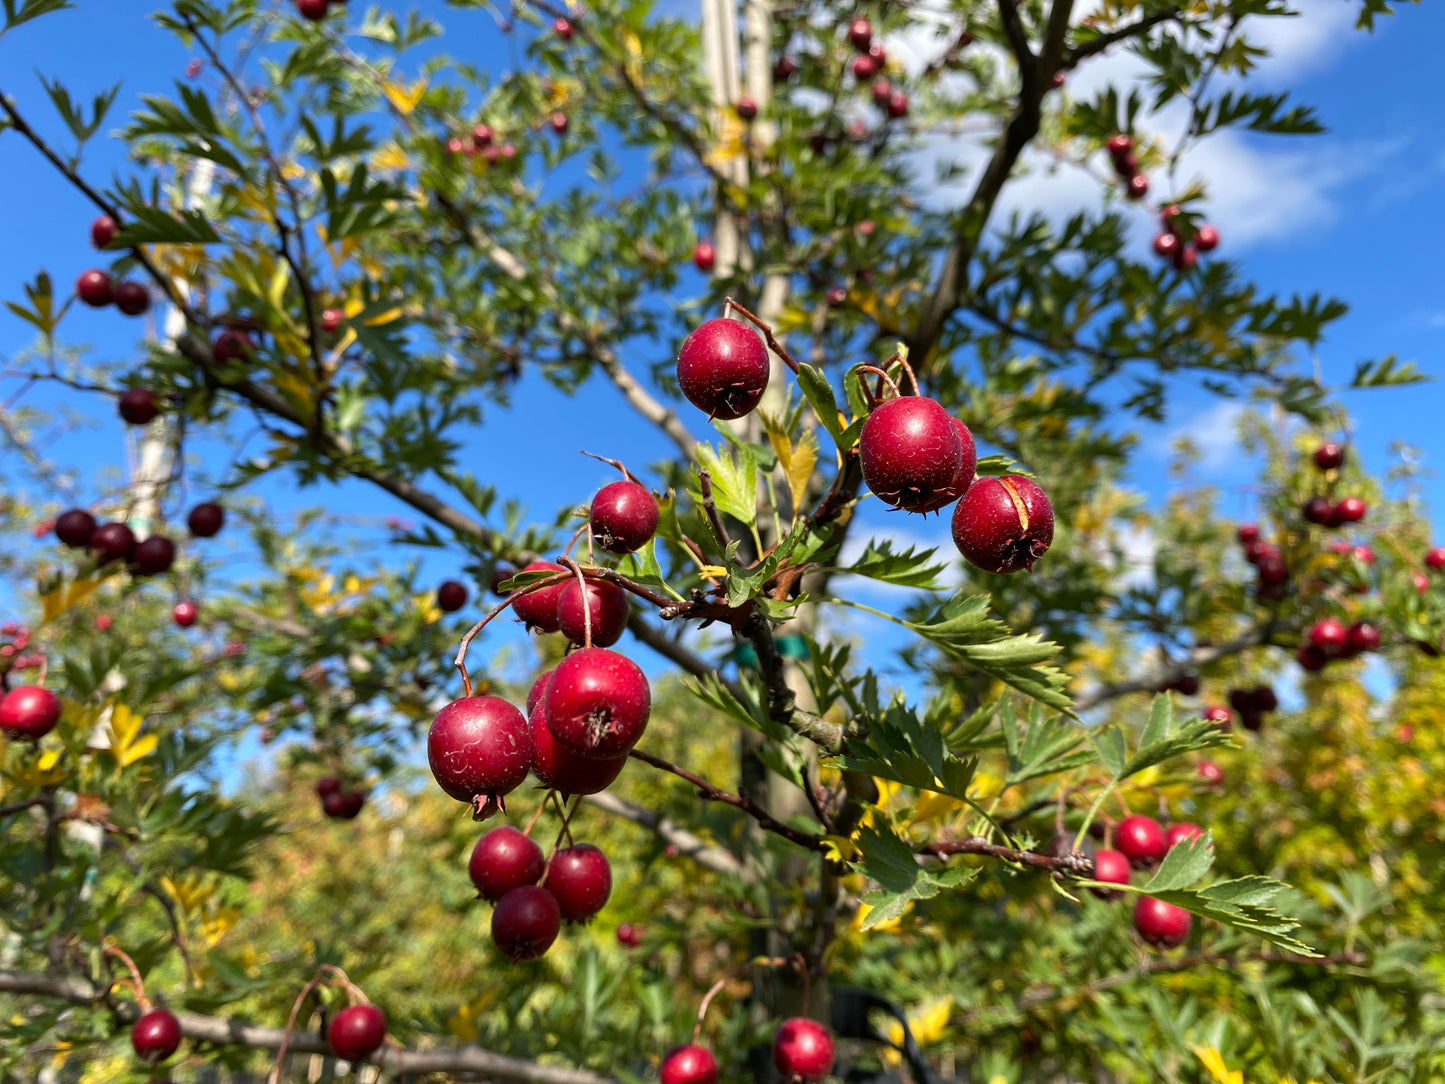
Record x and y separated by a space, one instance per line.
1199 656
1113 37
705 854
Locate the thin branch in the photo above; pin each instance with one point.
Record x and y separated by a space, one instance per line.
1077 863
1199 656
1113 37
705 854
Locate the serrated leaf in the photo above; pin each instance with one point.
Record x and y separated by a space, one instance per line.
711 691
909 568
146 225
819 393
888 860
1387 372
1187 863
734 481
998 465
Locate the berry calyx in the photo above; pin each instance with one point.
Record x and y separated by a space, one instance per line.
451 596
581 880
911 452
1161 924
75 526
502 860
132 298
1141 839
525 922
688 1064
1112 867
604 603
138 406
597 703
1003 524
357 1032
103 231
563 770
802 1050
155 1036
93 287
29 712
1181 831
704 256
184 613
538 607
112 542
153 556
723 369
479 749
206 519
623 516
1329 456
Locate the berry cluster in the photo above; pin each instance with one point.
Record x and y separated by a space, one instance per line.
77 529
1180 243
482 140
1126 166
1142 841
1320 509
869 64
13 655
95 288
337 802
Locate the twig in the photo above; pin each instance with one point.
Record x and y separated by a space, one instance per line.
705 484
773 344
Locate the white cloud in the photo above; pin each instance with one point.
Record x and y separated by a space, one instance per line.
1215 432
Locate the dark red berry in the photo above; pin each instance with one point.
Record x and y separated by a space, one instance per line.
704 256
29 712
1272 569
155 1036
624 516
451 596
1262 698
605 605
138 406
154 555
344 806
1211 773
1247 533
184 613
802 1050
784 69
1187 684
1328 635
1141 839
911 453
132 298
1329 456
860 33
314 10
1350 510
597 703
479 749
559 123
482 136
967 471
331 320
1435 558
231 345
1320 510
1166 245
562 28
206 519
688 1064
502 860
1138 187
881 90
1003 524
864 68
103 231
75 526
1181 831
1362 636
357 1032
112 542
1119 145
328 784
1161 923
501 573
747 109
538 607
1207 239
723 369
897 105
1057 80
1364 554
93 287
1113 867
525 922
1185 257
1311 658
581 880
563 770
628 935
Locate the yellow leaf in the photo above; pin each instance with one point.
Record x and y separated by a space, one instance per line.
45 771
142 748
891 926
927 1024
798 463
1213 1061
125 745
384 317
931 806
391 157
840 849
56 602
403 98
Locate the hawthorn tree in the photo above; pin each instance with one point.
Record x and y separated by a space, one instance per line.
1055 847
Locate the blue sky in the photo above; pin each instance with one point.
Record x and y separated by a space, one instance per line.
1355 214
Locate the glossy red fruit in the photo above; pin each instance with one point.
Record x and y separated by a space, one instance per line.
911 453
864 68
581 879
479 749
881 90
562 28
1320 510
967 471
75 526
628 935
836 296
689 1065
559 123
1311 658
538 607
314 10
1161 924
1218 713
155 1036
1329 456
482 136
1211 773
1141 839
623 516
331 320
1247 533
1422 582
29 712
538 690
1328 635
112 542
153 556
802 1050
597 703
206 519
563 770
723 368
1272 569
1113 867
184 613
1351 510
344 806
103 231
525 922
231 345
898 105
1362 636
784 69
1207 239
606 604
1187 684
1166 245
93 287
1435 558
1003 524
451 596
746 108
132 298
1186 257
357 1032
1119 145
1364 554
860 33
1137 187
327 785
704 255
502 860
1181 831
138 406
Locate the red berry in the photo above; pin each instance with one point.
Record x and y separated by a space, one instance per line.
1113 867
1138 186
836 296
1351 510
153 556
628 935
1364 554
559 123
1362 636
357 1032
75 526
723 369
597 703
897 105
538 607
1328 635
1185 258
451 596
1207 239
563 770
112 542
705 256
1272 570
1329 456
785 68
882 89
502 860
1167 215
525 922
94 288
1262 698
581 880
155 1036
138 406
967 471
482 136
1247 533
1161 923
1003 524
479 749
1181 831
1119 145
860 33
206 519
802 1050
28 711
231 345
132 298
1218 713
328 785
184 613
1435 558
911 453
606 604
1320 510
331 320
623 516
864 68
1311 658
1057 80
747 109
1422 582
1166 245
315 10
501 573
103 231
1211 773
194 67
538 690
344 806
689 1065
1141 839
562 28
1187 684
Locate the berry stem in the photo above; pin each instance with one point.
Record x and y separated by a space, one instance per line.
706 1001
729 306
705 484
567 562
615 463
137 986
537 815
901 357
460 662
887 379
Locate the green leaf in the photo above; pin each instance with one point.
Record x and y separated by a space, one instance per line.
148 225
1186 864
734 481
641 566
911 752
1164 738
907 569
999 464
1387 372
710 689
30 9
888 860
819 393
1047 747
